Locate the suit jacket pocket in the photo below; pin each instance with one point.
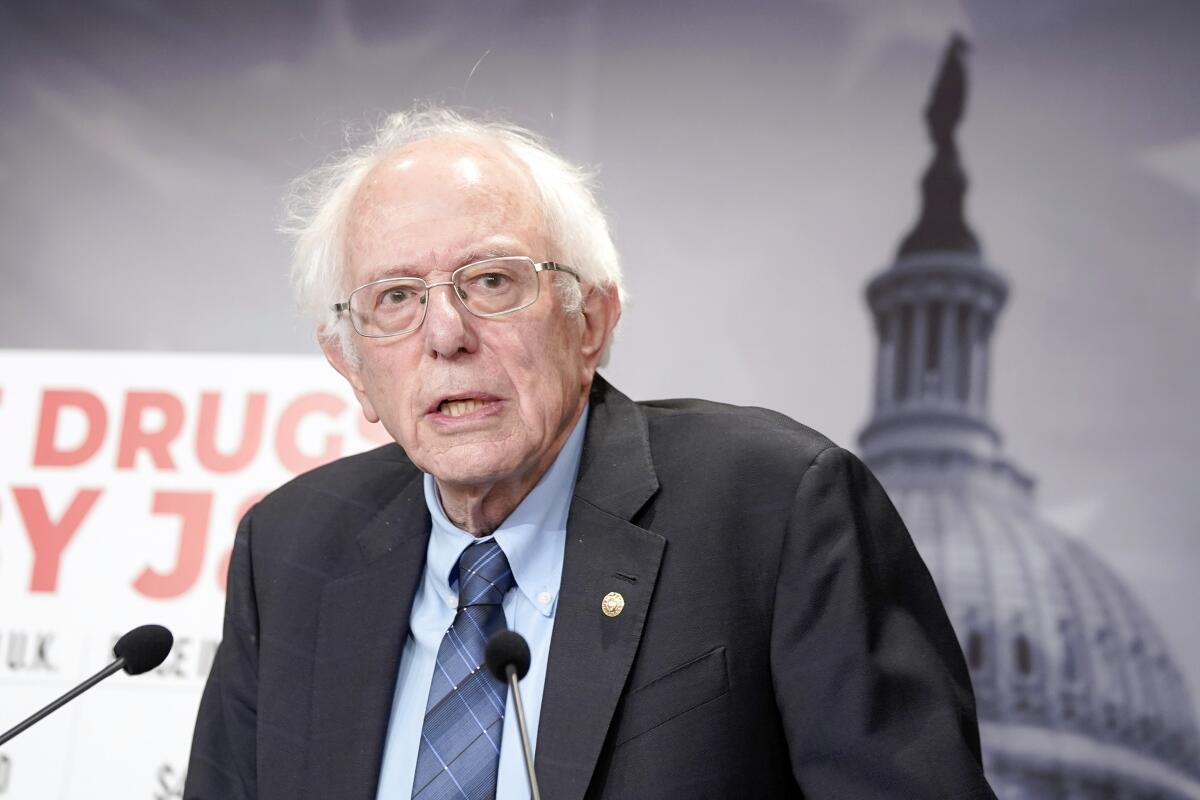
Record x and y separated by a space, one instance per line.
661 700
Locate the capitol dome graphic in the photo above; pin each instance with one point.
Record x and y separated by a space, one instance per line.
1078 695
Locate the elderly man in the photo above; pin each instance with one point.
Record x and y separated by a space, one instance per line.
719 602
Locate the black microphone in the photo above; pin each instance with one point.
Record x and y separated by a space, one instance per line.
507 656
140 650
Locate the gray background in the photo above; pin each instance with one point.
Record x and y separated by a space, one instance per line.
144 147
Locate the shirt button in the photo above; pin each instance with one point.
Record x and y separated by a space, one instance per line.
452 601
543 598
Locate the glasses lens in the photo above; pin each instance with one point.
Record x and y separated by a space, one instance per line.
497 286
388 307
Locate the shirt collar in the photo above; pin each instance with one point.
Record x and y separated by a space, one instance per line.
532 537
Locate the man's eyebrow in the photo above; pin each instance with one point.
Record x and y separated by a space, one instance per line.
483 254
411 271
394 271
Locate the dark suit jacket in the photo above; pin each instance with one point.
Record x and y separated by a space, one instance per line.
780 636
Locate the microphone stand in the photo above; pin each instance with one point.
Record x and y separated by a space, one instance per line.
115 666
511 672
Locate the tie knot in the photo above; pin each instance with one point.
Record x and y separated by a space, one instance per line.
483 575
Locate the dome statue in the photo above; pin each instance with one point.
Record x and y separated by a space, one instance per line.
1077 692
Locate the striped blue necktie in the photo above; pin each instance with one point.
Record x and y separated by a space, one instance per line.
464 719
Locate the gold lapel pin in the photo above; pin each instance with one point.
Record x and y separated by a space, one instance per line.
612 604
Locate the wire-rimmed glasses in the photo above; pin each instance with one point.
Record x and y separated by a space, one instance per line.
489 288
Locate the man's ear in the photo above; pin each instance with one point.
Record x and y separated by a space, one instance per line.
331 345
599 315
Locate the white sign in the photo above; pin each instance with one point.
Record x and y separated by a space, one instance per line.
124 476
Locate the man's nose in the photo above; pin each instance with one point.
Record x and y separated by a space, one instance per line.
449 327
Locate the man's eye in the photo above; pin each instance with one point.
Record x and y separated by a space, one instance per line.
395 296
492 281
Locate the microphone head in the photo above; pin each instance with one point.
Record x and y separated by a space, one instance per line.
144 648
503 648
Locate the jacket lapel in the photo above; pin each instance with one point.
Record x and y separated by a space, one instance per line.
590 652
360 635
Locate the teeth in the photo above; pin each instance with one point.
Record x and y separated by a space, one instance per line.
457 408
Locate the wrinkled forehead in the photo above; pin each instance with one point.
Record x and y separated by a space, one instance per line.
439 195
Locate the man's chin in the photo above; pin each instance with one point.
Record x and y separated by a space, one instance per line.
467 470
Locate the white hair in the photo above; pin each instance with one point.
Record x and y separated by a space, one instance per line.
318 207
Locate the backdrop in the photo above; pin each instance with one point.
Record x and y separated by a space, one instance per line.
155 377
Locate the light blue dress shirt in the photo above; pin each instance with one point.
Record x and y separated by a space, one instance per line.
532 538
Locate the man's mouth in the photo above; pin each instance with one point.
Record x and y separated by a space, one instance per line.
458 408
465 404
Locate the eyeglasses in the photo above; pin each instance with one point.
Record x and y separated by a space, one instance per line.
489 288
